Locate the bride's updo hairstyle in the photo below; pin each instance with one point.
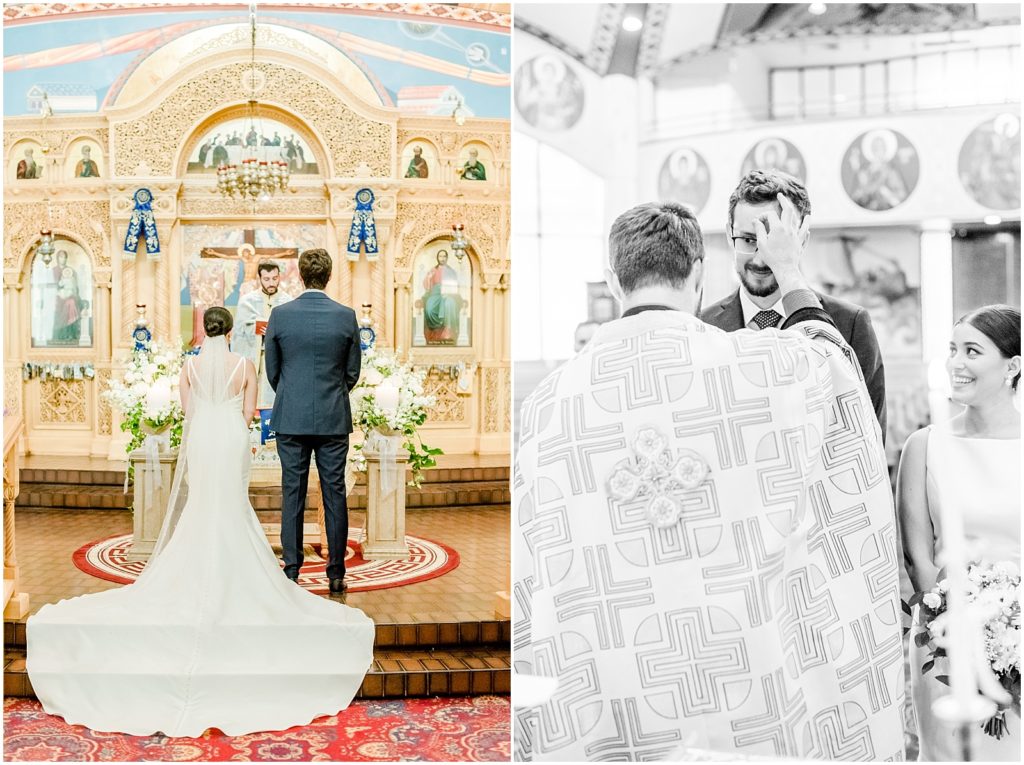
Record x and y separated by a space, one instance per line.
1001 325
217 321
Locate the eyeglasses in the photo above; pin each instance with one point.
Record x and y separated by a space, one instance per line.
745 245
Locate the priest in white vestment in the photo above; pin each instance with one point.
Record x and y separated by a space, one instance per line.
251 319
705 550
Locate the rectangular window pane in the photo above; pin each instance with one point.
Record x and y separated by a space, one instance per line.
1012 76
961 78
874 88
931 83
846 98
785 93
817 92
901 84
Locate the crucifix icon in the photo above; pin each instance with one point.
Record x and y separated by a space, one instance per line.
249 253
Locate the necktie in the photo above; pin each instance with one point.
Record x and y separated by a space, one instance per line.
767 318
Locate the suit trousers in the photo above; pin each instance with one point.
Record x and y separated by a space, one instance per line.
331 453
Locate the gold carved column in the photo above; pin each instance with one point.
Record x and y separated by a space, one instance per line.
16 604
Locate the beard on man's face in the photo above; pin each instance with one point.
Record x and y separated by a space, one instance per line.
757 283
269 289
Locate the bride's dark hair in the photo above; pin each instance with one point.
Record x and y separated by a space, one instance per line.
217 321
1000 324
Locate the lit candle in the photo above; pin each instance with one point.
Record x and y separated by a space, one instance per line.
386 396
961 677
963 638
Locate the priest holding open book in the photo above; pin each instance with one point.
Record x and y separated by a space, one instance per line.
251 325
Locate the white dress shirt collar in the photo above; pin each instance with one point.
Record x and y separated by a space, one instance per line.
751 309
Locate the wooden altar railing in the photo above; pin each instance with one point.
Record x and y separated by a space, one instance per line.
15 603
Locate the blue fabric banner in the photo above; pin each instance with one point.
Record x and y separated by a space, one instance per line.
364 230
142 222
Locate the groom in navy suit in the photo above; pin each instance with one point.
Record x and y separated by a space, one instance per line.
312 360
757 304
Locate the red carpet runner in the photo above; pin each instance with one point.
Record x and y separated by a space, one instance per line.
108 559
473 729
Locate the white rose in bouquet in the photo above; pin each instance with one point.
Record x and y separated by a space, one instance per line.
932 600
372 377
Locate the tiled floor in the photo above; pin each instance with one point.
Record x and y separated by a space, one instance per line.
46 540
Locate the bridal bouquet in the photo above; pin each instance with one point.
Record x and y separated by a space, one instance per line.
993 593
147 395
388 400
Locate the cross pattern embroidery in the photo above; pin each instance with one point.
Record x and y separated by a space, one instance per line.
657 473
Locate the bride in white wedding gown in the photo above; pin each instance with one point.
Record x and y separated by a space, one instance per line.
212 634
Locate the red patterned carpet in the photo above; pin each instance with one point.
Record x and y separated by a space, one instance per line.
107 559
473 729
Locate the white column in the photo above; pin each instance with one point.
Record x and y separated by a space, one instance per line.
936 309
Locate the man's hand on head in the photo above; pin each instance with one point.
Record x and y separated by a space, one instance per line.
780 242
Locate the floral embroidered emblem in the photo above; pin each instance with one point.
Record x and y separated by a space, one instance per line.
657 472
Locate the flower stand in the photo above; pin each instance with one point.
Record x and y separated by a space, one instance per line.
385 500
152 490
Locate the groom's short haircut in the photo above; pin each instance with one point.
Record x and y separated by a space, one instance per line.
655 244
315 268
266 265
759 187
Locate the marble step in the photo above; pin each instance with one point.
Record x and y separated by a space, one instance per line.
265 499
422 636
103 477
395 673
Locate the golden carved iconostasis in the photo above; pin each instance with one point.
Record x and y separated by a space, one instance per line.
152 135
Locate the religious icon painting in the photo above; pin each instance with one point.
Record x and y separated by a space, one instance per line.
685 178
26 161
231 141
775 154
475 162
62 297
989 164
220 266
443 296
880 169
418 158
84 160
548 93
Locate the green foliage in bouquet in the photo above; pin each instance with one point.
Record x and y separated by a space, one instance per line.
389 399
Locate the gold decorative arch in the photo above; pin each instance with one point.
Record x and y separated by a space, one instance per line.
355 144
241 111
22 224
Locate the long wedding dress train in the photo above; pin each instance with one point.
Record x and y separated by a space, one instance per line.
212 634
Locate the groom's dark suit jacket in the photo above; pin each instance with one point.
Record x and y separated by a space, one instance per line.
853 323
313 359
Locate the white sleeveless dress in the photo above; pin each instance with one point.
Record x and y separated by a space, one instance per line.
981 476
213 634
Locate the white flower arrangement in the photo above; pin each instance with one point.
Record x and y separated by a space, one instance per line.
147 394
389 399
994 594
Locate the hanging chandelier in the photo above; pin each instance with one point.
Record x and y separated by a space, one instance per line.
255 177
459 241
46 247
